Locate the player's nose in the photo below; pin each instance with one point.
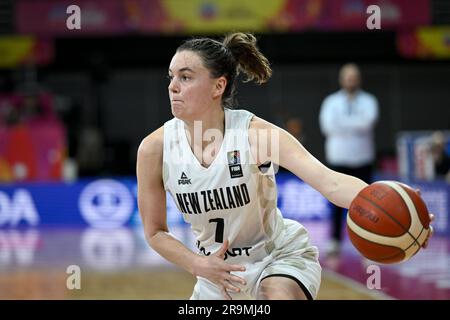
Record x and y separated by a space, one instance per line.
173 86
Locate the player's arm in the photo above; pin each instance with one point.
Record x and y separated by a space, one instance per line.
339 188
152 208
152 203
289 153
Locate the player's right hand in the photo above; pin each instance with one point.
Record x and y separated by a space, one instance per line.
216 270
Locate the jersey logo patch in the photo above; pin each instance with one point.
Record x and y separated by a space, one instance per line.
234 157
234 164
184 179
236 171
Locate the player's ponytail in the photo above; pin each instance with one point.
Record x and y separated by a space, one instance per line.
250 60
237 53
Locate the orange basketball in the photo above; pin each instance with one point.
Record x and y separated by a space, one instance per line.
388 222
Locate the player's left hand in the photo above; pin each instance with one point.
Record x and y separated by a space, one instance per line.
430 233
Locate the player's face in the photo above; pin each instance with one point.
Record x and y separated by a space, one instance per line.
191 88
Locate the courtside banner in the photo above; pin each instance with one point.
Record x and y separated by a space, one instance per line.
102 203
109 203
112 203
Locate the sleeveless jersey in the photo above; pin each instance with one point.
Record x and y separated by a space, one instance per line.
231 199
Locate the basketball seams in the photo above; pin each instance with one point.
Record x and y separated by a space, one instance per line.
385 245
380 239
383 211
426 235
415 226
420 239
407 251
406 198
417 203
407 232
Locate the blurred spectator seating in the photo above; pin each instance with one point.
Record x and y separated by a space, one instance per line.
32 139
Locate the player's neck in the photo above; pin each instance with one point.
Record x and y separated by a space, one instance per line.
214 119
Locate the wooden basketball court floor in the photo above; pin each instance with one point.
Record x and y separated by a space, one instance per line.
118 264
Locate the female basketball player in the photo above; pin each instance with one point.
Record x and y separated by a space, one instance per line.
217 164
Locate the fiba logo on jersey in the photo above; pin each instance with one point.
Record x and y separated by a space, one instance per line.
184 179
234 164
106 204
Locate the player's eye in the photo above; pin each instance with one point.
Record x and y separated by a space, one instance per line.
170 77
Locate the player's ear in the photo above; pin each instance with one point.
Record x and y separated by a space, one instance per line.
219 88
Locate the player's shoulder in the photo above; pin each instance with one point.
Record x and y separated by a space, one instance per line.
236 115
257 123
152 145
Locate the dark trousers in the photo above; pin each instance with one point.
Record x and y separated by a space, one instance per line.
364 173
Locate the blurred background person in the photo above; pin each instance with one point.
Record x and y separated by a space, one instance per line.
440 156
347 120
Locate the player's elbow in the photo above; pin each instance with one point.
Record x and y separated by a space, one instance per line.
152 235
151 238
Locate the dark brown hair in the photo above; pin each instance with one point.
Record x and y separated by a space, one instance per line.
236 53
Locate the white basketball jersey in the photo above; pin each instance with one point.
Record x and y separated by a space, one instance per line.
231 199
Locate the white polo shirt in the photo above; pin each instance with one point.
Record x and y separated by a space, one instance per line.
348 126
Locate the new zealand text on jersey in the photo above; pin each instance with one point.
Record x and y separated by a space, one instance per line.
215 199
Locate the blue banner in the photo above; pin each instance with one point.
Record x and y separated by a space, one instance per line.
103 203
112 203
